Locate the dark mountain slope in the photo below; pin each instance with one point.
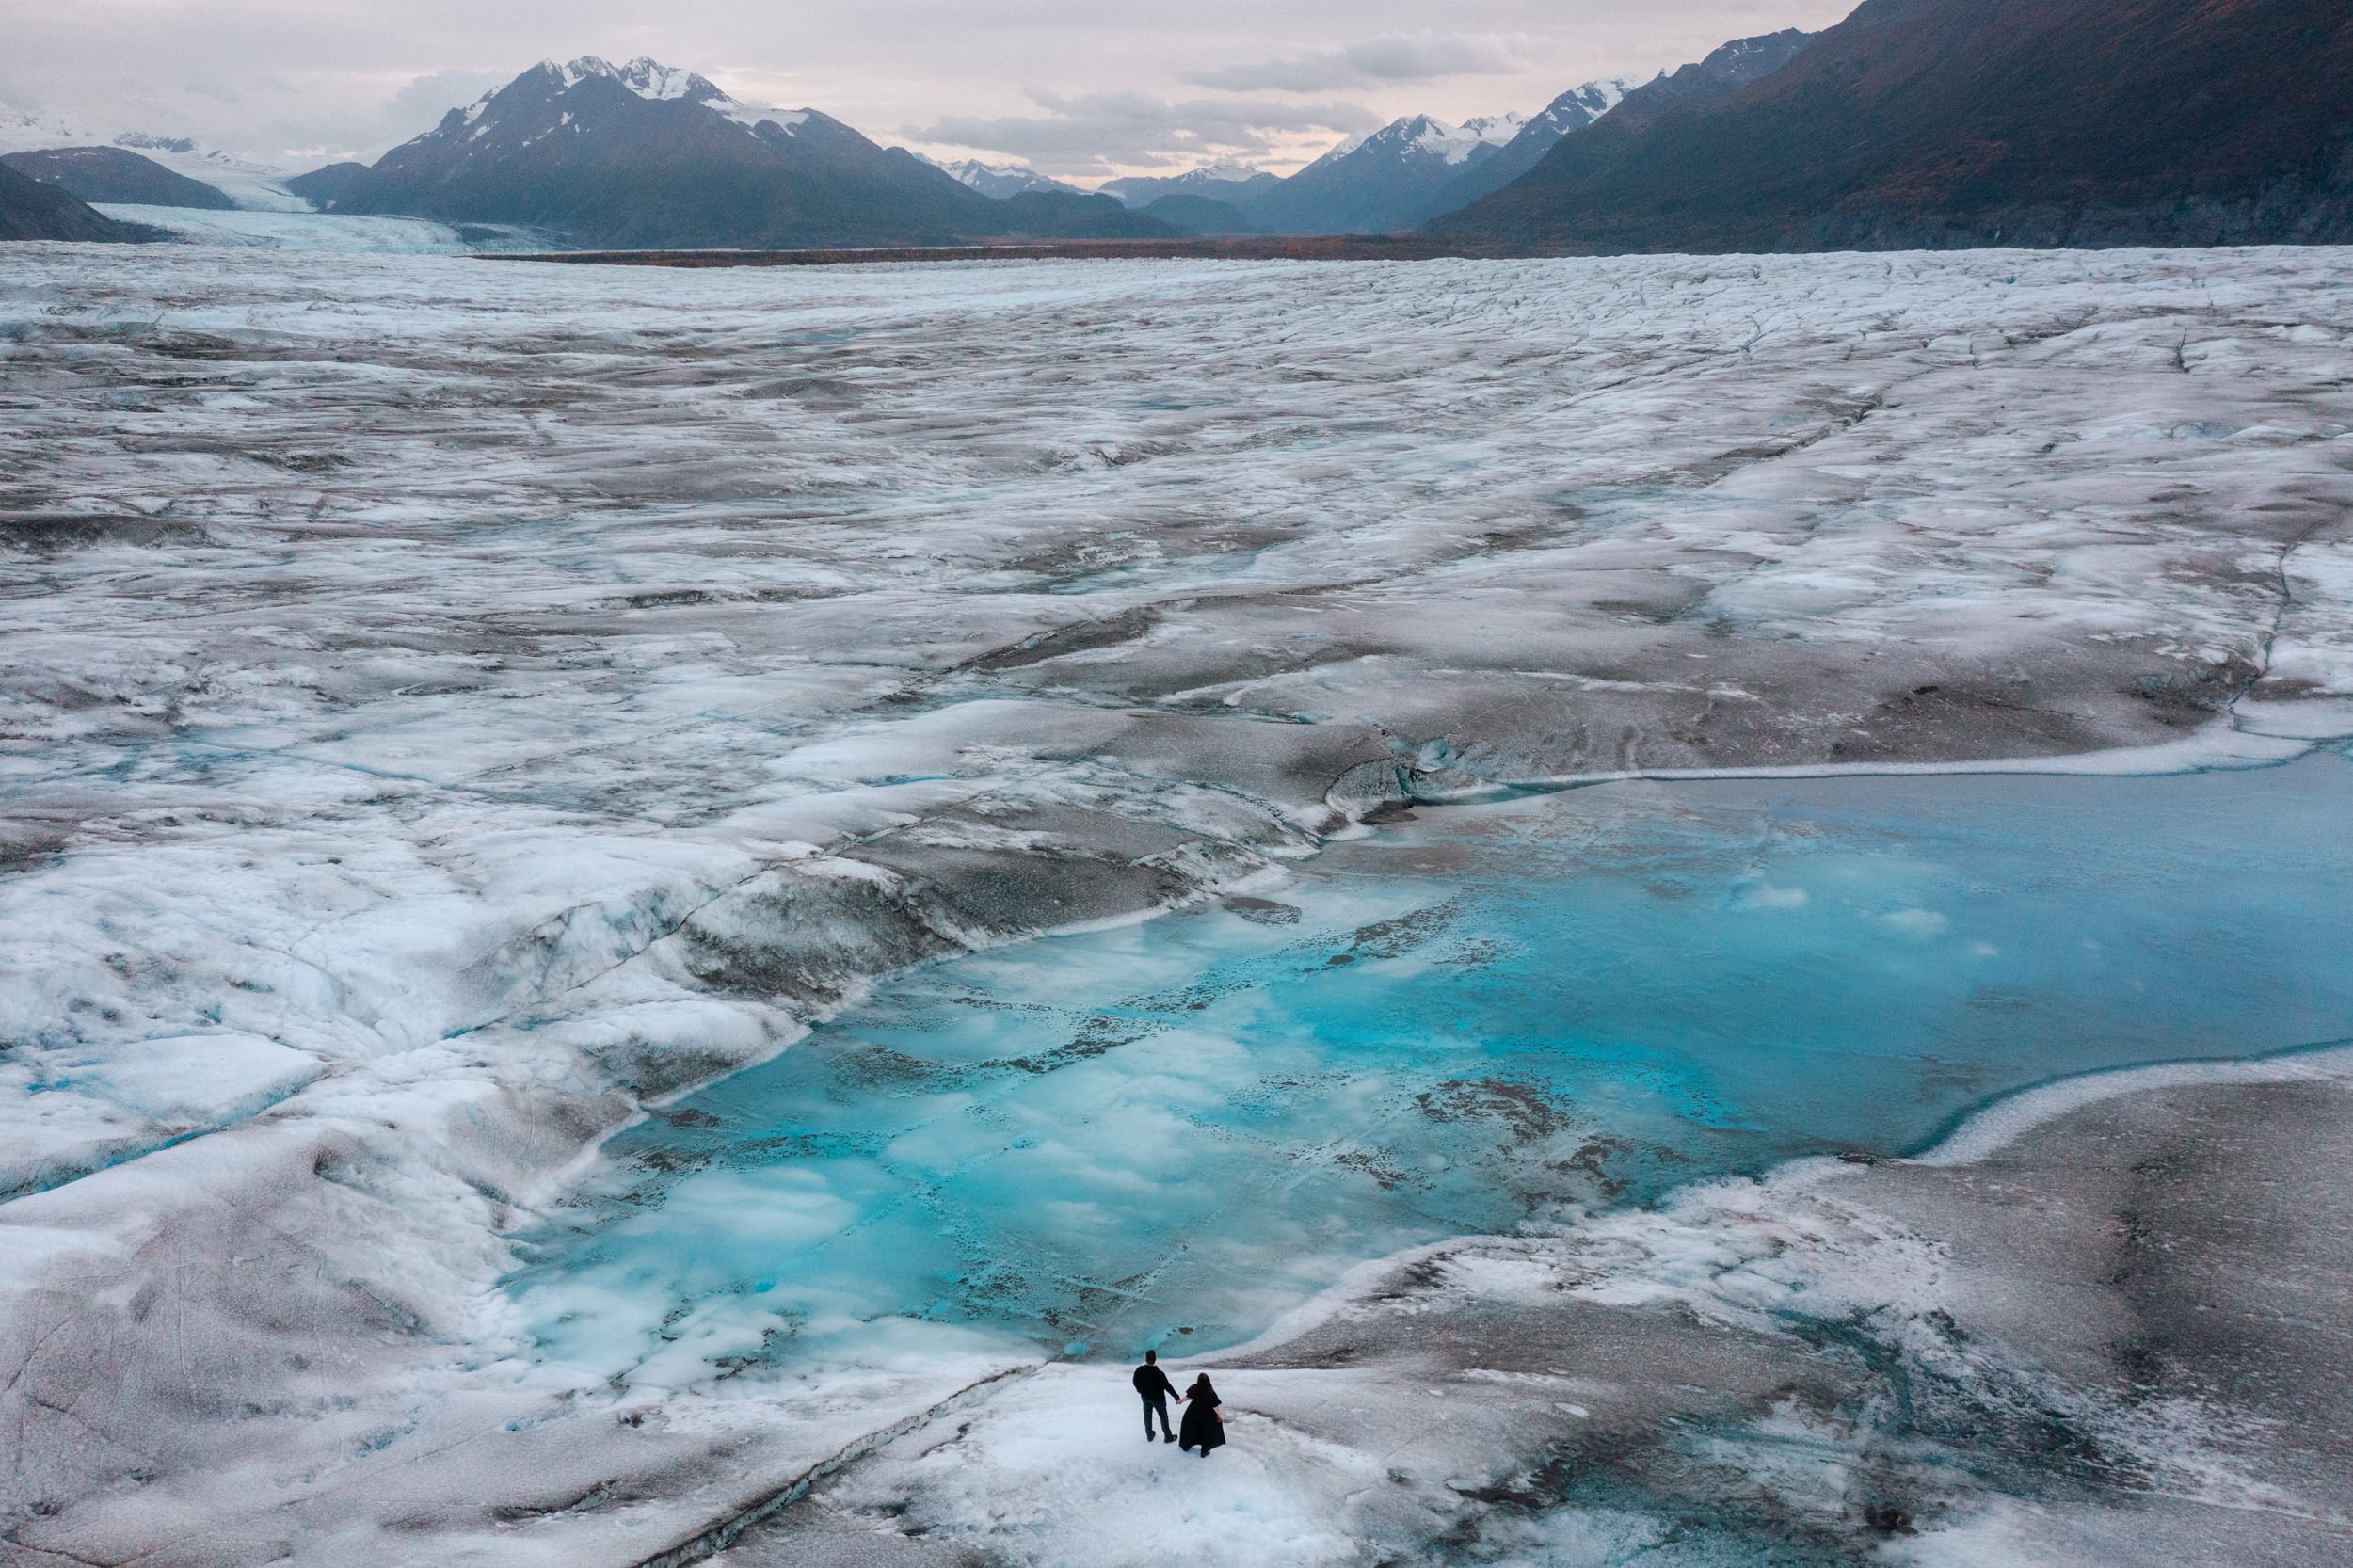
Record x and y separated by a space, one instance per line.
30 210
1201 214
1717 78
325 187
1957 123
1231 183
113 174
1076 216
642 156
1388 181
1571 111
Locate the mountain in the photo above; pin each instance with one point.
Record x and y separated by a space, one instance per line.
249 184
1070 215
324 187
115 174
1962 122
1379 184
1577 108
30 210
1001 180
1571 111
645 155
1201 214
1220 181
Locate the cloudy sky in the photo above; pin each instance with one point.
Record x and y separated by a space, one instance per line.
1078 87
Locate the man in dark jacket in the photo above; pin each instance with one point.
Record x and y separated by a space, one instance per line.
1154 1386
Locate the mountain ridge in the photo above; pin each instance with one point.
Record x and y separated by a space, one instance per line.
1380 182
643 154
646 157
1223 180
1413 168
116 174
1571 111
31 209
1955 123
1000 180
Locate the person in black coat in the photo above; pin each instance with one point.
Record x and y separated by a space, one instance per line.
1203 1429
1154 1386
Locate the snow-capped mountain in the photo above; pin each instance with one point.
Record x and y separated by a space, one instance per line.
2072 123
1420 137
1580 106
1622 124
654 82
1380 182
1571 111
645 154
1000 180
1225 180
250 184
1493 129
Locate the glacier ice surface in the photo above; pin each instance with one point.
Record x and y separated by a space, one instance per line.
455 708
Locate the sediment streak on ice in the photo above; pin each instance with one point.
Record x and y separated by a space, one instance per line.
452 704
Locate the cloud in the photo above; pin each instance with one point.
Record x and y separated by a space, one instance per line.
425 100
1379 61
371 118
1097 132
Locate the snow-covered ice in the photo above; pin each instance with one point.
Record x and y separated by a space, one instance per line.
283 230
452 706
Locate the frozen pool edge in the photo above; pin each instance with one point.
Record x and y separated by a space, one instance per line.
1980 1134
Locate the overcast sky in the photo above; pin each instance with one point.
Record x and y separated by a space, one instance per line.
1078 87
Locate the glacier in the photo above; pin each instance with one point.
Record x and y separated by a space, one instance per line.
455 709
352 232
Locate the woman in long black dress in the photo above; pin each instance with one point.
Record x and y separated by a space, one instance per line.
1202 1427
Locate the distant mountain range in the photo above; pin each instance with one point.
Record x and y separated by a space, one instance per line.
1386 182
1229 183
1206 201
1072 215
1403 174
1003 180
1202 214
645 155
1571 111
1911 123
1966 123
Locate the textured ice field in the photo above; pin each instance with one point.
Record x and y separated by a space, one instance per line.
449 704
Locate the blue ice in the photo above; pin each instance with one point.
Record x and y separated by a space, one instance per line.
1491 1017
